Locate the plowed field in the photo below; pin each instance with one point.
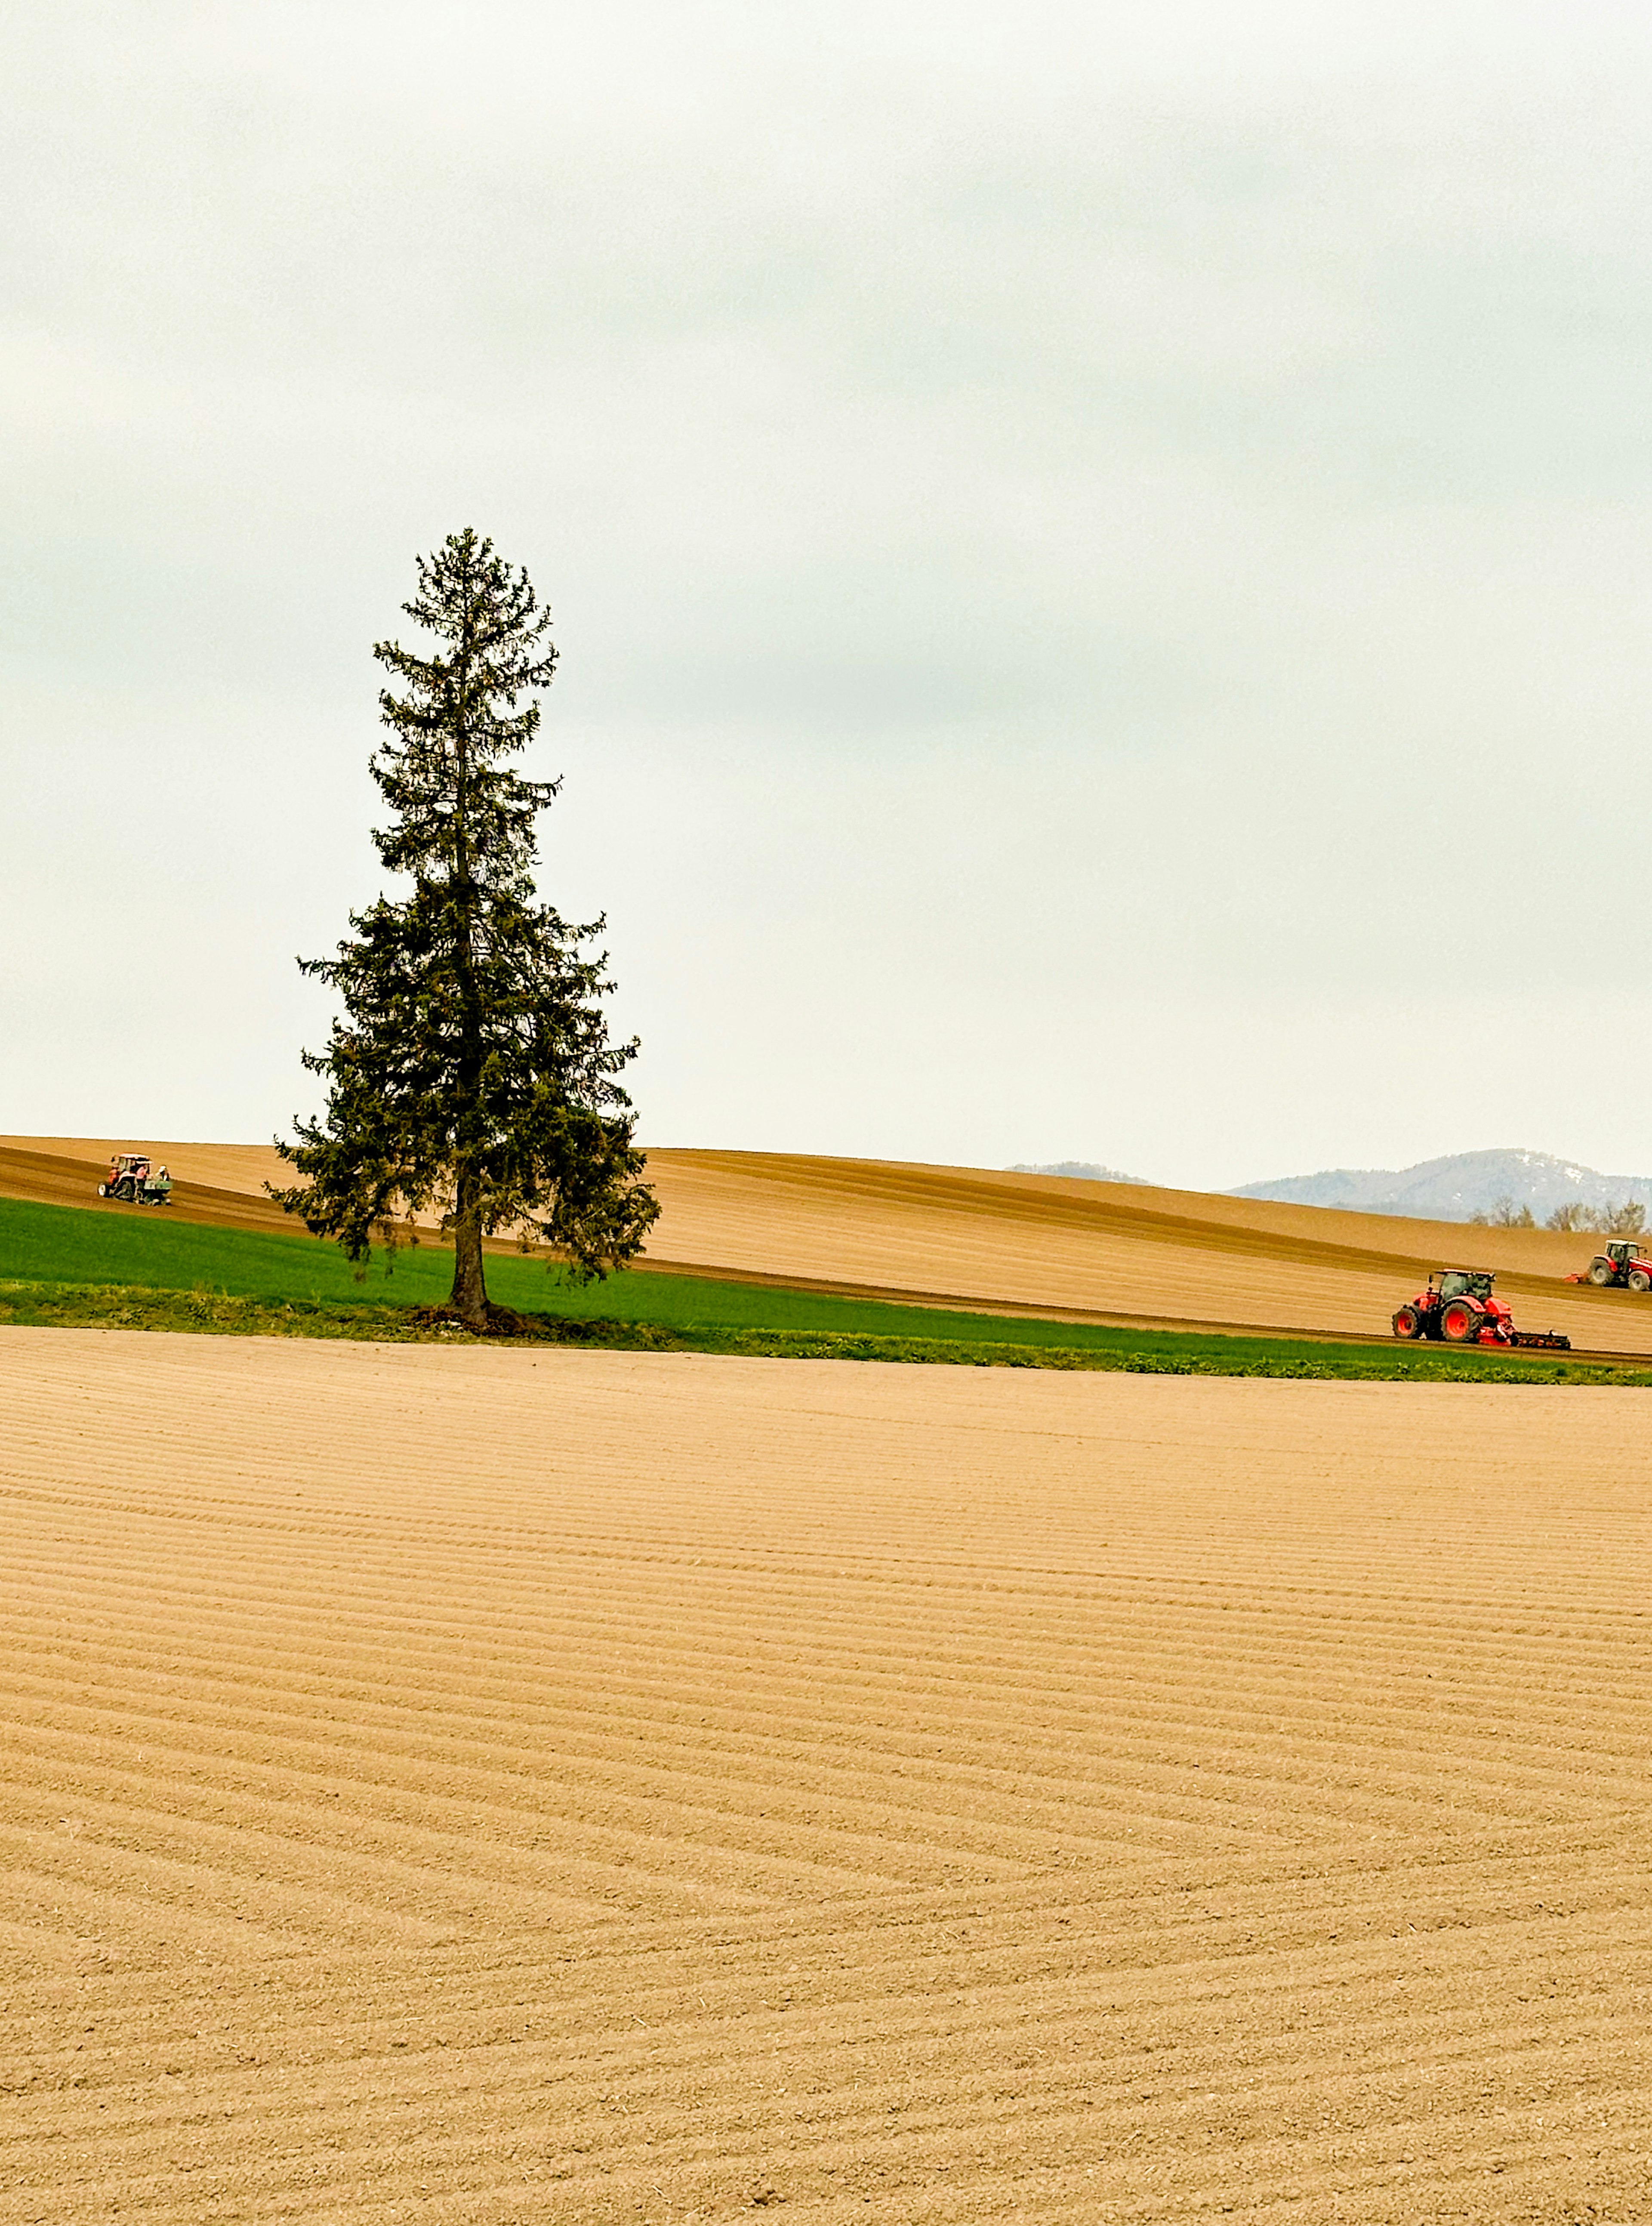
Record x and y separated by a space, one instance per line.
461 1788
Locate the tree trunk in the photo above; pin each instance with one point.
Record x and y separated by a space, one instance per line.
469 1299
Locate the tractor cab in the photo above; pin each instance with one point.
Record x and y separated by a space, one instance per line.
1461 1284
1621 1250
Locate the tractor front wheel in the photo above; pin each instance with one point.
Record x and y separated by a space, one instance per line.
1408 1322
1460 1323
1639 1279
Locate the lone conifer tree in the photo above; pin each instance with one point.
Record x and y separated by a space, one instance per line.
471 1070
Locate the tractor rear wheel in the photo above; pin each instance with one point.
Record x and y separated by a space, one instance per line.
1408 1322
1600 1271
126 1189
1639 1279
1459 1322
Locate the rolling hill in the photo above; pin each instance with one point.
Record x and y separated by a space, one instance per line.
1065 1247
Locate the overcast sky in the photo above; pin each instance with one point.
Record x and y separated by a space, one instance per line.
1101 555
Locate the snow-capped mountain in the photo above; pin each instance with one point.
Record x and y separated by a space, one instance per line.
1462 1184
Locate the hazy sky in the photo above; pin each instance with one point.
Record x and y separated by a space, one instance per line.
1101 555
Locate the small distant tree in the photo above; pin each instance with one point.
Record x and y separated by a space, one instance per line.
1626 1220
470 1072
1504 1214
1572 1216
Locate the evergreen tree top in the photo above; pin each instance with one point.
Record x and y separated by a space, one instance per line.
457 717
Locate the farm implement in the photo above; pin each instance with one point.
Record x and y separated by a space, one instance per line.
1457 1307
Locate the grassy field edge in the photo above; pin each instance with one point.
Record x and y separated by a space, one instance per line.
102 1306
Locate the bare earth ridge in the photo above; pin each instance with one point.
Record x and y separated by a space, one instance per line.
467 1787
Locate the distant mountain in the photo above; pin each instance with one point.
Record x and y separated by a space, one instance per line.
1454 1188
1083 1170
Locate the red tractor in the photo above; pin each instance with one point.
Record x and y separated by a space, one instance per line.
1619 1265
131 1180
1458 1307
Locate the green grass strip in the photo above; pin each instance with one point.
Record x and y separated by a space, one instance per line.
140 1270
43 1305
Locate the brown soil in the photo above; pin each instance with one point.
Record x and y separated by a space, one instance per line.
66 1171
1099 1251
470 1786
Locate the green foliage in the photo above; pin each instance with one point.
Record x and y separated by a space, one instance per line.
471 1071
